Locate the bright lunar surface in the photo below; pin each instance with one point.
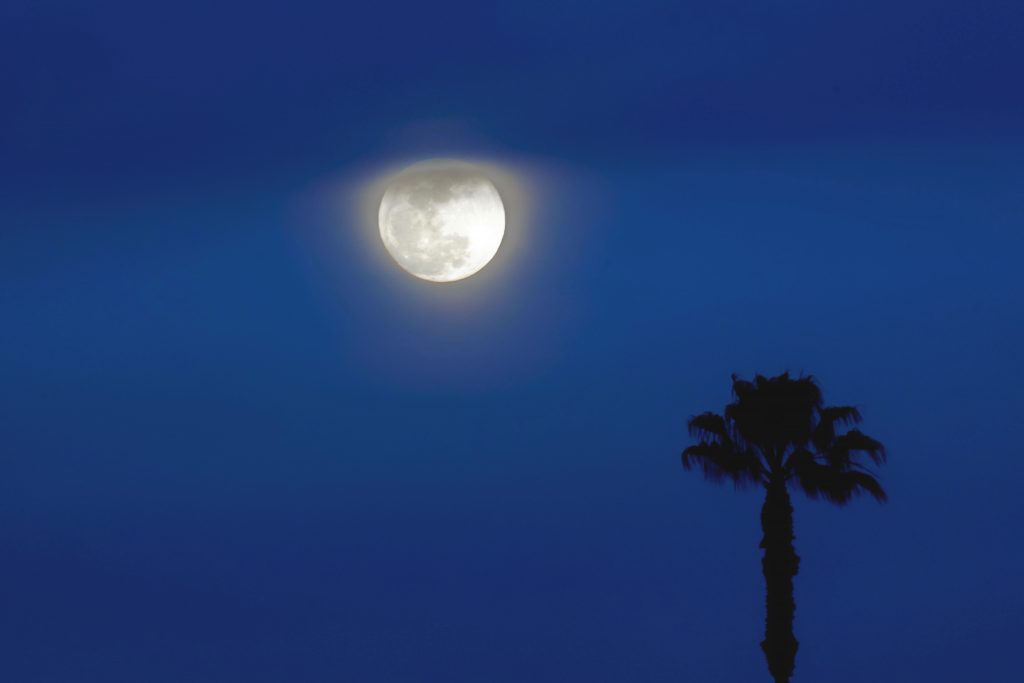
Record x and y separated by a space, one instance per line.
442 221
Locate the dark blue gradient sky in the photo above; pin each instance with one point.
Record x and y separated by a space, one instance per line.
238 445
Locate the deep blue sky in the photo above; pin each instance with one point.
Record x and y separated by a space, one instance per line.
237 445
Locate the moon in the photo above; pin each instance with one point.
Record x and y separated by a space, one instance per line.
442 220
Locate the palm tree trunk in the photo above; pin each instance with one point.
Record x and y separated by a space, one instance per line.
779 564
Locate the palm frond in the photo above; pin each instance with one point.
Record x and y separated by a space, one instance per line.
828 418
819 480
846 446
709 427
719 462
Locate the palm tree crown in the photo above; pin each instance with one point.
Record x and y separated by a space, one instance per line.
777 428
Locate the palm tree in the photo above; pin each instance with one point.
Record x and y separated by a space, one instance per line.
777 432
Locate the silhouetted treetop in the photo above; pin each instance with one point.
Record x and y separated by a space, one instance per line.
778 427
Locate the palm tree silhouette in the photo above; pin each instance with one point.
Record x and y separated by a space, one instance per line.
777 431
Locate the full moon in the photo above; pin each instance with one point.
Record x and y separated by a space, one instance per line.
442 220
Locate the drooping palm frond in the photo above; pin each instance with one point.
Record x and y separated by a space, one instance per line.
822 480
720 463
845 448
709 427
718 456
828 418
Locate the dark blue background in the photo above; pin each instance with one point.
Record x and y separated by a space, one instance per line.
238 445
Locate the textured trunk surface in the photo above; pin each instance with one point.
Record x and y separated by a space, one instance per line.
779 564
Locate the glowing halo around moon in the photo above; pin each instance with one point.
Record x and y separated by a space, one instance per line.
442 220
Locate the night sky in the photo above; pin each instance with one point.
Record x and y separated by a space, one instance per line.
239 444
